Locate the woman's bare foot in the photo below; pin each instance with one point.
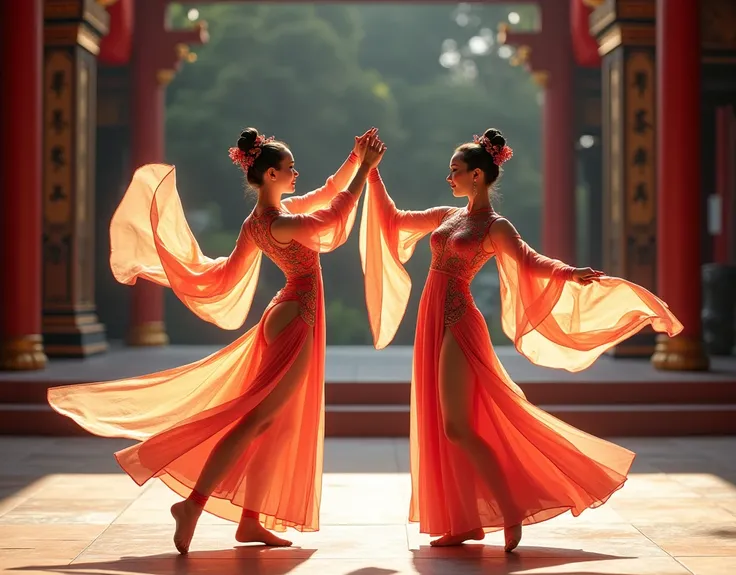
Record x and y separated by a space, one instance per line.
449 539
186 514
251 531
512 535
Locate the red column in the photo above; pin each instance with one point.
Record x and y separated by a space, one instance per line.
21 46
678 181
558 200
147 146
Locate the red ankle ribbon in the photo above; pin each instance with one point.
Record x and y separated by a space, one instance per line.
197 498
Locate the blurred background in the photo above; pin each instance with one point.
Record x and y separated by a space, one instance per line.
429 76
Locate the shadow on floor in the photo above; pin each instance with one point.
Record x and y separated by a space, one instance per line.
479 559
466 560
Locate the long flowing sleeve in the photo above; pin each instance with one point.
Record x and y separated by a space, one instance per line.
556 322
326 229
321 197
388 238
151 239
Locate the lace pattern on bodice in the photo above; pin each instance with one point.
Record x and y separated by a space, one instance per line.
299 264
457 250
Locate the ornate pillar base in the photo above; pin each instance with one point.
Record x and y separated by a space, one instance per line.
148 334
22 353
73 334
680 353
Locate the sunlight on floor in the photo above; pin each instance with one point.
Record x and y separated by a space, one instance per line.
65 508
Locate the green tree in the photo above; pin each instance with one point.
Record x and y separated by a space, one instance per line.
315 76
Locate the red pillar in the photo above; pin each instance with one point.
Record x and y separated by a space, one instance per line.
147 146
678 181
21 46
558 200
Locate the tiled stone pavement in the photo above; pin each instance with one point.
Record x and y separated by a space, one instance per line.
66 508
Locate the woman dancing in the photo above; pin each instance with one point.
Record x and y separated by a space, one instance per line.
482 457
238 433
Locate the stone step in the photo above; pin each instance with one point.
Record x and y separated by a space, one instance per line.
393 420
666 420
707 391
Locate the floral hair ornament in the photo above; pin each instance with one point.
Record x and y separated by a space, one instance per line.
500 154
245 159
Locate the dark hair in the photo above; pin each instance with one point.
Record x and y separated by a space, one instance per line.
270 157
477 157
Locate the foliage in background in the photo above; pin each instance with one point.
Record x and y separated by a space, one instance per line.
315 76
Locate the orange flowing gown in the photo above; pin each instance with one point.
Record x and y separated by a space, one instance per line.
550 466
179 415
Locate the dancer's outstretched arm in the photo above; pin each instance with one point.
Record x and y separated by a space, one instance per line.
506 242
321 197
411 222
388 237
556 322
326 229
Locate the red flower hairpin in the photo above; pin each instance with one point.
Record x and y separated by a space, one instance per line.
245 159
500 154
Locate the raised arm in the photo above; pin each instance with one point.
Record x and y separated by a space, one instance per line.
326 229
388 237
410 225
321 197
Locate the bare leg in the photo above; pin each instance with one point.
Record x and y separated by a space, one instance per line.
456 389
187 512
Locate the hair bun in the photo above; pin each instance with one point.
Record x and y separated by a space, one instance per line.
247 139
495 137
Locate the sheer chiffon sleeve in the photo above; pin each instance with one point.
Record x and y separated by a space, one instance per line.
151 239
328 228
556 322
388 237
321 197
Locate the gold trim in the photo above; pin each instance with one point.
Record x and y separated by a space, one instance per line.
88 40
680 353
627 35
540 77
22 353
623 12
83 11
71 35
149 334
164 77
74 329
70 320
62 9
609 41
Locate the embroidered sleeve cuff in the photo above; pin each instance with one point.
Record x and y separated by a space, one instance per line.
353 158
374 175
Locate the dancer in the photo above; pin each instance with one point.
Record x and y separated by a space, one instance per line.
239 433
482 457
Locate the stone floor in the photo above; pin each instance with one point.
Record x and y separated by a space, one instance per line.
65 507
